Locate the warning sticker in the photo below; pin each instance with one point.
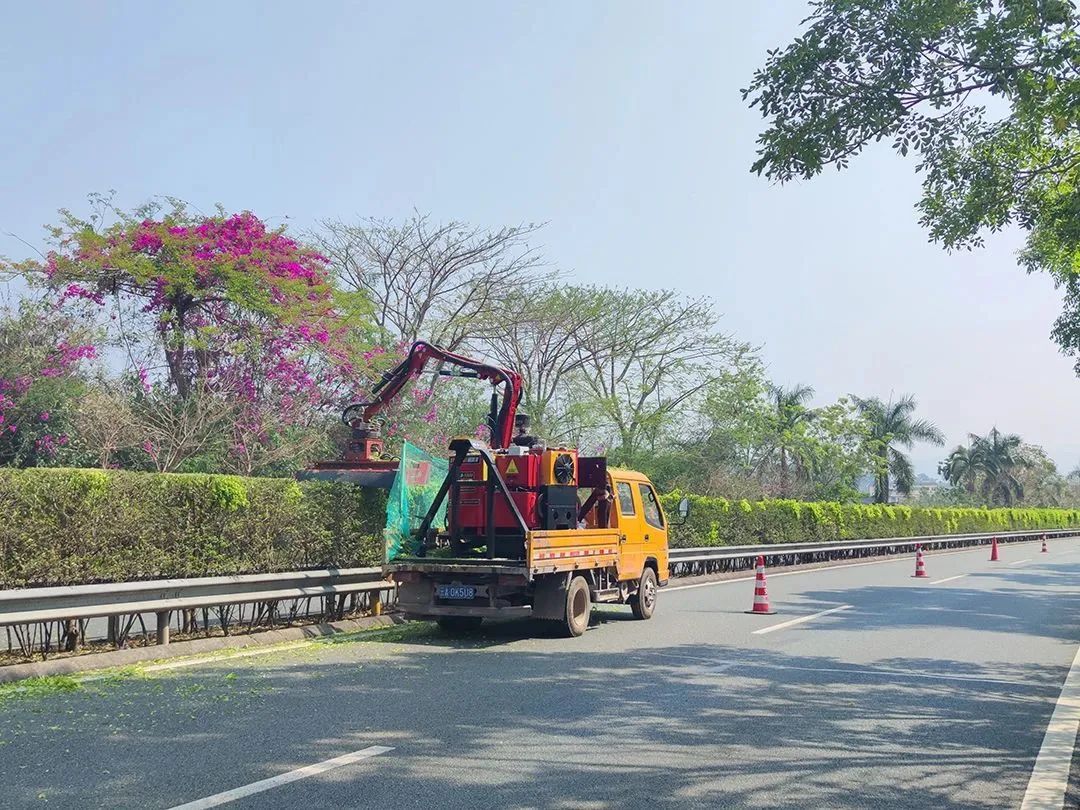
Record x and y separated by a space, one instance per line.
511 468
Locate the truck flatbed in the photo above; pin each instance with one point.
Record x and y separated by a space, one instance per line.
459 565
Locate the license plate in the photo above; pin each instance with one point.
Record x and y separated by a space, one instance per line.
457 592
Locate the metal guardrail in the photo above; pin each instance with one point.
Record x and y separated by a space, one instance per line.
720 559
163 596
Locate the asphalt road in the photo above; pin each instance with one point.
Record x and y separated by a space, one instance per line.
918 694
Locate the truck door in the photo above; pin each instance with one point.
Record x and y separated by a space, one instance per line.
656 533
631 550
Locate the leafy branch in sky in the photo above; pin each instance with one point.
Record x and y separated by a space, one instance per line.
985 95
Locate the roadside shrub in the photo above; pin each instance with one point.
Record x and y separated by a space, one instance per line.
719 522
69 526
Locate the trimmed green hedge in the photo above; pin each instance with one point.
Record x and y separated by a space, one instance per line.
68 526
719 522
65 526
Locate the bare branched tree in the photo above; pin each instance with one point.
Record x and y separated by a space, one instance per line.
440 282
177 430
104 424
646 355
538 337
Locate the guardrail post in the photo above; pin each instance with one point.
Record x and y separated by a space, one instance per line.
163 617
71 635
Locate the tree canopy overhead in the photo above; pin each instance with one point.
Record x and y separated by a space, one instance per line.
985 93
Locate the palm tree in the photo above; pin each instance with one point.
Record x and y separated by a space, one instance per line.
791 411
892 423
999 457
960 468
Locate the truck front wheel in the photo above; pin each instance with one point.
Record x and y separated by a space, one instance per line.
578 606
643 603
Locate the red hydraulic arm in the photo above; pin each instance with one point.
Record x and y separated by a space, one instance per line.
360 414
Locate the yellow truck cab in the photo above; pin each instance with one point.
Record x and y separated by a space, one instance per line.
642 526
552 558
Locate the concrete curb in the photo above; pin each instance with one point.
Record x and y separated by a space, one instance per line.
177 649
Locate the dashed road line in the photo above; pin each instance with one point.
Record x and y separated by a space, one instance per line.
1021 562
284 778
772 628
947 579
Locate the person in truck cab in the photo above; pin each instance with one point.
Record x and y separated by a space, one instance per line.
595 512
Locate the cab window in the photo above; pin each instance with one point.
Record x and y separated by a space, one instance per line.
653 515
626 499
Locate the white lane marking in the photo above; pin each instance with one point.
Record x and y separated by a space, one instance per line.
209 659
1050 776
948 579
893 558
1021 562
792 622
284 778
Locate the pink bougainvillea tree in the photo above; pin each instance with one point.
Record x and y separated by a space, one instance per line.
43 357
218 306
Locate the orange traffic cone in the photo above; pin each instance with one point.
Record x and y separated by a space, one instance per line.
761 593
993 550
920 564
1044 548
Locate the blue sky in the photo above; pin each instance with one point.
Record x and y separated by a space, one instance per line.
619 124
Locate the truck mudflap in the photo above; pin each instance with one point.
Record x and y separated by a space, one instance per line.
549 598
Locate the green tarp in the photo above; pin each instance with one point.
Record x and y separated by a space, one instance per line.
417 483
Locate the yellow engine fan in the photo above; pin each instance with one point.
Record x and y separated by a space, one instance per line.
559 467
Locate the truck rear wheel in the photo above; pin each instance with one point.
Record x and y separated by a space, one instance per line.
578 606
458 624
643 603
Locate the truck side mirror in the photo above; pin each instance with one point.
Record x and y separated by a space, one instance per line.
684 511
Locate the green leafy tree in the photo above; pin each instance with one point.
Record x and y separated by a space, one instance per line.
718 447
1042 484
792 416
983 92
732 446
892 424
960 468
836 453
648 357
1000 469
999 457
